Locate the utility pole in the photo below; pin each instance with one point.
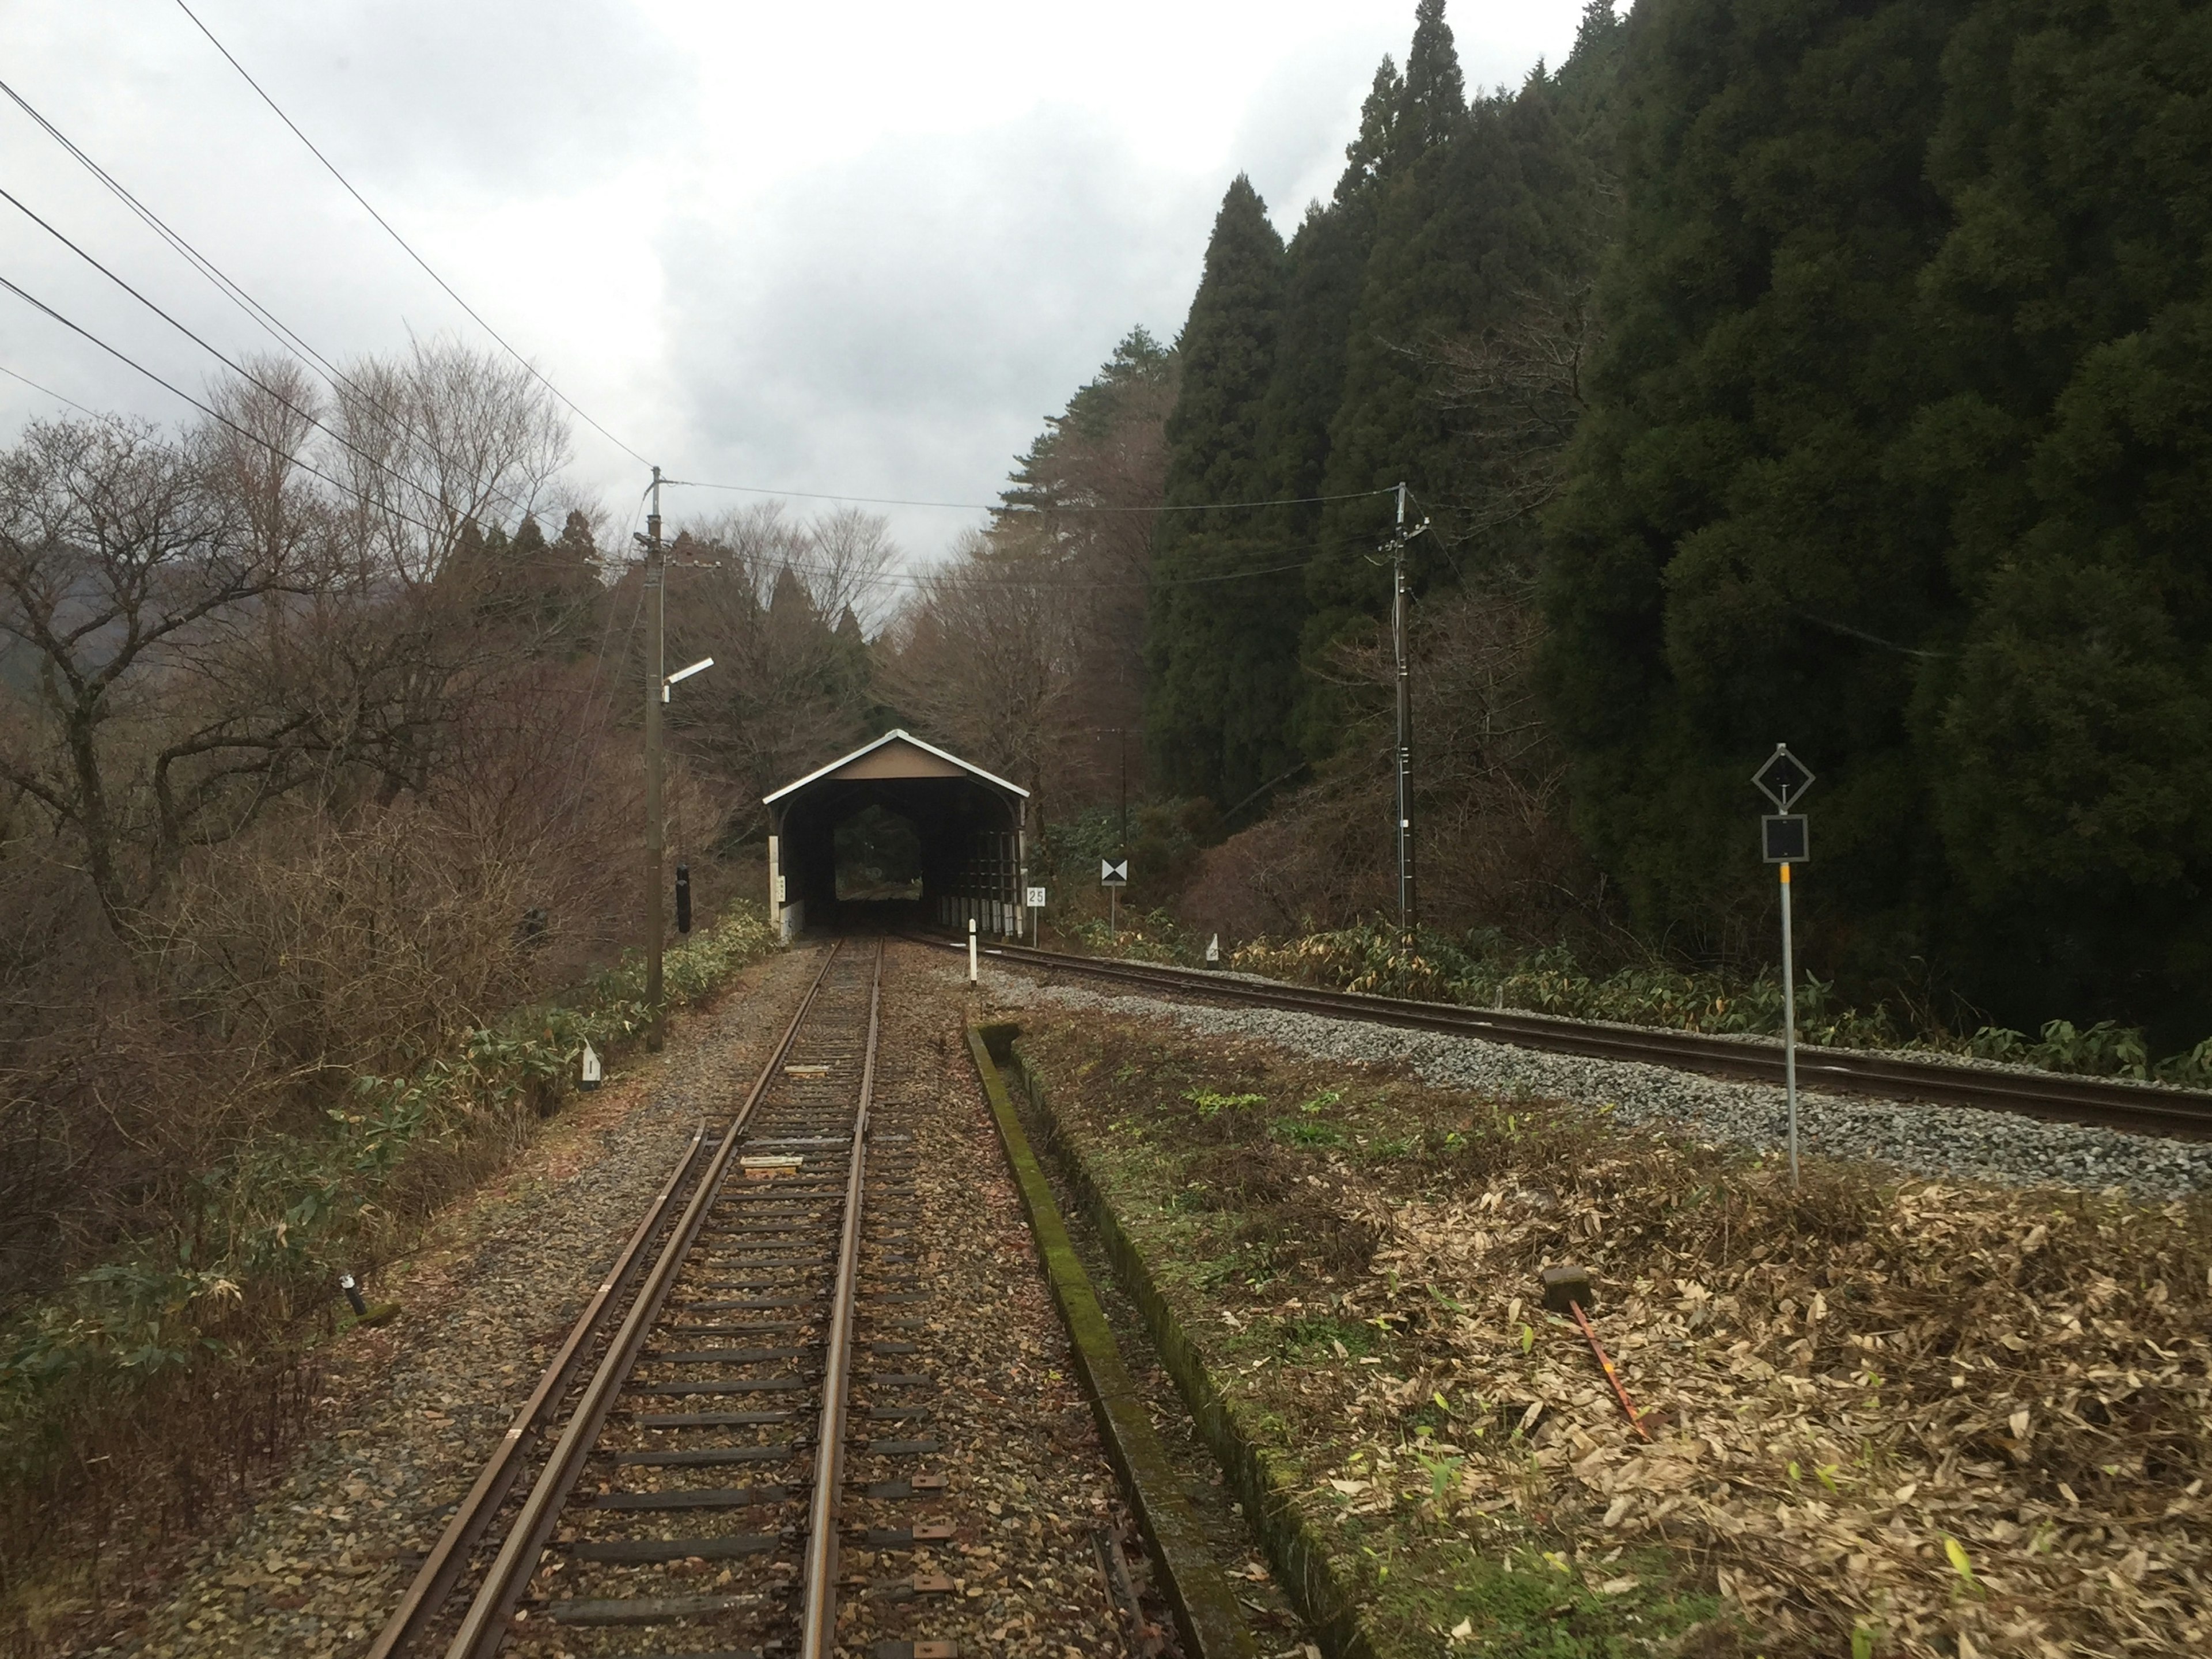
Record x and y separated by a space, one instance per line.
1398 621
656 668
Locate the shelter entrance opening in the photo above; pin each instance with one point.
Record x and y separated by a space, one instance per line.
879 856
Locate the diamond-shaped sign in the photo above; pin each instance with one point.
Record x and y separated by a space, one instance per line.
1113 873
1783 778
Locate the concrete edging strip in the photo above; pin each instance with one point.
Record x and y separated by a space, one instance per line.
1207 1614
1300 1556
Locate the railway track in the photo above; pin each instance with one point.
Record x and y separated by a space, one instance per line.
2143 1108
676 1483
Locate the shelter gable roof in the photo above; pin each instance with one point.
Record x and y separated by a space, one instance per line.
868 762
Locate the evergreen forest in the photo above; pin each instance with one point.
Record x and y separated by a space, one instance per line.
1833 372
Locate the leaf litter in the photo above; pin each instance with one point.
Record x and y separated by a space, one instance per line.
1908 1418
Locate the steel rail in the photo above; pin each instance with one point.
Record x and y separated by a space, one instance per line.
819 1631
441 1568
2142 1107
484 1627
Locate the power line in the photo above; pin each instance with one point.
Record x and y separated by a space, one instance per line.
901 578
331 168
1001 507
49 392
236 369
129 361
287 337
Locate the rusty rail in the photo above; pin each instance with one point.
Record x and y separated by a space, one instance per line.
2141 1107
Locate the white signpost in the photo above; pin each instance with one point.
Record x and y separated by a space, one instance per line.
1034 898
1785 840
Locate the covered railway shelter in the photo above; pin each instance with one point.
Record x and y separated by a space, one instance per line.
899 833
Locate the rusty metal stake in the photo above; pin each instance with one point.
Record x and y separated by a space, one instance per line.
1144 1639
1611 1375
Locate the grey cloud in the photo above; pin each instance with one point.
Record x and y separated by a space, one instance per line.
911 316
491 95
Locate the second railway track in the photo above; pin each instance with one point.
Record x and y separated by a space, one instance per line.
2143 1108
692 1500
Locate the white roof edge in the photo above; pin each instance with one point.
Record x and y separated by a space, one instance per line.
901 733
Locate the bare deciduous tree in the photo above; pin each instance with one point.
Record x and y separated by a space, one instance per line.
437 440
117 560
987 655
1517 391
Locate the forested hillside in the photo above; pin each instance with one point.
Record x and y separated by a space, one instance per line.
1820 372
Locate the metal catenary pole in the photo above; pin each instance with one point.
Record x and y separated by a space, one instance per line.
655 669
1405 752
1789 1025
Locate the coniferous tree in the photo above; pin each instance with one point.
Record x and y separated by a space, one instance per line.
1414 287
2072 313
1479 218
1742 556
1221 654
1328 259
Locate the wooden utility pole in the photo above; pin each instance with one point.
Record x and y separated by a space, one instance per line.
656 670
1405 752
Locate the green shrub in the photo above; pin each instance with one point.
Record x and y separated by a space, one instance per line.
1480 971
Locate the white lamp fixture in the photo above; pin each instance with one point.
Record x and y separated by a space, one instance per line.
684 674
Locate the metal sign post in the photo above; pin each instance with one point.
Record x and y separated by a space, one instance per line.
1785 840
1113 876
1036 897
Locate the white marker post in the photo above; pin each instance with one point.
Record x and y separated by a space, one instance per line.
1036 897
971 950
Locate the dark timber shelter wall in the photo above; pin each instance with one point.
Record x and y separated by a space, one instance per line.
969 823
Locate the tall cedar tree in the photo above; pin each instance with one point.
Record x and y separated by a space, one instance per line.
1221 646
1743 554
1325 265
2071 732
1480 216
1415 286
1087 492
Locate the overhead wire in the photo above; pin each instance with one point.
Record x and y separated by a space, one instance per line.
1003 507
921 580
239 369
331 166
212 413
47 391
287 337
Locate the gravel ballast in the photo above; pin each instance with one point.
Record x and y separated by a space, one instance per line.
415 1408
1922 1139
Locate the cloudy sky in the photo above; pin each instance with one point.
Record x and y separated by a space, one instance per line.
859 249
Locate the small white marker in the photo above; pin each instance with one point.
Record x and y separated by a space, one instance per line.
590 1079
